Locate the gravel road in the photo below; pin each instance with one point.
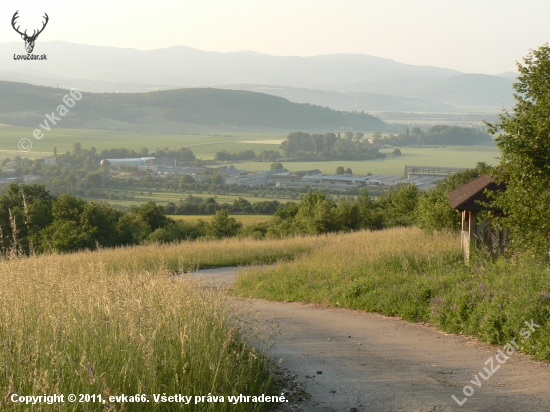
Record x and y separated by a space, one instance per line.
350 359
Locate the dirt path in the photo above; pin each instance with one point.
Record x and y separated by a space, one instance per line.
375 363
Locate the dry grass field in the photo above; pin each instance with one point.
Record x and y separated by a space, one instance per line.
119 322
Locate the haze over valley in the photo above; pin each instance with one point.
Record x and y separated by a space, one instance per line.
339 81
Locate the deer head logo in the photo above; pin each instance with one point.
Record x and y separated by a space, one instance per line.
29 40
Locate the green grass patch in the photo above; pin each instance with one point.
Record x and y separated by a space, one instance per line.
419 277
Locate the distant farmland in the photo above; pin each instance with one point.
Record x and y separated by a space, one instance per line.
206 145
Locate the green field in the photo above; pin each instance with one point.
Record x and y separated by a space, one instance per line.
205 147
451 156
245 219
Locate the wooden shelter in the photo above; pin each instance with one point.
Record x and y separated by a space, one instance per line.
469 200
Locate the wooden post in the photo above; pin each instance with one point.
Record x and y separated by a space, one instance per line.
468 232
464 241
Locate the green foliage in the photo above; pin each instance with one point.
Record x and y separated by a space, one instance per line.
436 135
523 138
371 217
349 215
33 221
94 179
303 146
186 179
222 226
268 156
434 207
347 136
317 213
152 214
217 178
176 231
25 210
398 207
224 155
80 225
357 137
277 166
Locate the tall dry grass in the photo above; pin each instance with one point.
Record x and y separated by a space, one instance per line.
119 322
202 254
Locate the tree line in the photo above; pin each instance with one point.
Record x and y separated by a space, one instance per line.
300 146
34 221
435 135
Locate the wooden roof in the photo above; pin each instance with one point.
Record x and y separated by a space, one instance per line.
469 196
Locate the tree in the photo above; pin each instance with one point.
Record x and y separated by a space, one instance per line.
152 214
217 178
340 170
222 225
77 148
435 212
318 141
94 179
396 152
317 214
24 211
277 166
399 205
99 220
357 137
371 218
185 155
349 215
349 171
523 136
328 141
348 136
185 179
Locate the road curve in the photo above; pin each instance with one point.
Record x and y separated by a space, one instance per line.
376 363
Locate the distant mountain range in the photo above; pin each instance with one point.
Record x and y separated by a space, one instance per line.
340 81
26 105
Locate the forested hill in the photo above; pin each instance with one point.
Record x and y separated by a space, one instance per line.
24 105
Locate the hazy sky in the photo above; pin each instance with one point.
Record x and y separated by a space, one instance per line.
482 36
